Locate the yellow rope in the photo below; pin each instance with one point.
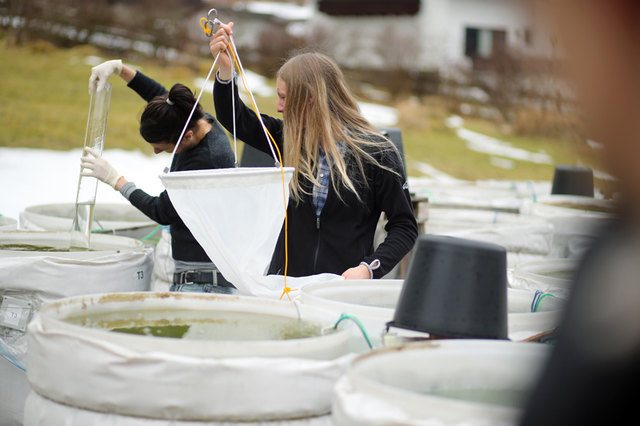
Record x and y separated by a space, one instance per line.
286 290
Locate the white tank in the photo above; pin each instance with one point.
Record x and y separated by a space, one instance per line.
37 268
518 234
373 303
113 218
467 194
8 223
470 382
237 359
575 220
548 275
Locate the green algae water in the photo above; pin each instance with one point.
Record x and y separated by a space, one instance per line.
34 247
201 325
175 331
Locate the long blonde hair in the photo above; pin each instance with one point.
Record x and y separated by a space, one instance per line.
320 111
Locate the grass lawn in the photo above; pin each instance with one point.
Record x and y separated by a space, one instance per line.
45 103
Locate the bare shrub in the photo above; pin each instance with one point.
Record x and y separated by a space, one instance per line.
529 94
274 46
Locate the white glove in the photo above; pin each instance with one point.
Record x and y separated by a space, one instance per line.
99 168
101 73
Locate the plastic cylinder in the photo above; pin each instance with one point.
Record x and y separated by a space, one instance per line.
87 186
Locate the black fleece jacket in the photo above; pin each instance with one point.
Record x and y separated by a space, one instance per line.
213 152
343 235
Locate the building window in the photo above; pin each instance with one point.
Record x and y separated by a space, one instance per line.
483 43
369 7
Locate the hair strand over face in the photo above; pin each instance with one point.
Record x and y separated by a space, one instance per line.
320 111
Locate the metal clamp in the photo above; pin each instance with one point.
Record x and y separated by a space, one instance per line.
210 26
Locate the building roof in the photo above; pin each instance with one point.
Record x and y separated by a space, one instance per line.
369 7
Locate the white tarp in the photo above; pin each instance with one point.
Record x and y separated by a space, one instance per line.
236 215
163 263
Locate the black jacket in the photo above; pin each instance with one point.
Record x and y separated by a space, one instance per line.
343 235
213 152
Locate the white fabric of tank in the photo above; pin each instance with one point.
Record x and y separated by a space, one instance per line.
391 386
115 264
182 380
236 216
42 411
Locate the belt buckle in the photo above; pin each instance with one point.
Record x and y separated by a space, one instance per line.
183 277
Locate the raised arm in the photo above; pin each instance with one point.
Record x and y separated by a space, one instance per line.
248 126
144 86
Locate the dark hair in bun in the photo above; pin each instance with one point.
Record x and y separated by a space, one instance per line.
165 115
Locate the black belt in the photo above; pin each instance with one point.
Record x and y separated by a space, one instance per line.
212 277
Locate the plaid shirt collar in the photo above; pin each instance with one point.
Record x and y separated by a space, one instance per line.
324 176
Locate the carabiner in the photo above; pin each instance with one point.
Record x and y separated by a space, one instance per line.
210 26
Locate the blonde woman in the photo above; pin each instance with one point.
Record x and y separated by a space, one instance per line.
347 173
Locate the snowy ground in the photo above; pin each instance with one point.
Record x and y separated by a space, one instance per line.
35 176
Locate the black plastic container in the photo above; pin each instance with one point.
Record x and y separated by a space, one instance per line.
572 180
455 288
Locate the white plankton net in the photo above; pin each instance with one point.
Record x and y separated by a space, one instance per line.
236 214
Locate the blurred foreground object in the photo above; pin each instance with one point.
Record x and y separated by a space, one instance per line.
592 373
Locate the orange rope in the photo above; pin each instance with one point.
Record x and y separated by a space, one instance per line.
286 290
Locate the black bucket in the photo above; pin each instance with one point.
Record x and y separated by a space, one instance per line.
455 288
572 180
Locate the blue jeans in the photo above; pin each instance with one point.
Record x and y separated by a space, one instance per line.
203 288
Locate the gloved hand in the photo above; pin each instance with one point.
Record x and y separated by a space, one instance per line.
101 73
99 168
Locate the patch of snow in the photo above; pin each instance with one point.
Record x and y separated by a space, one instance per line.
379 115
603 175
430 172
258 84
594 145
489 145
39 176
503 163
93 60
454 122
285 11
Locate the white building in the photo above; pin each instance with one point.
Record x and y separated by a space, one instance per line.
425 35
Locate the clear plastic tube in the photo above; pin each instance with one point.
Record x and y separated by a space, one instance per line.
87 185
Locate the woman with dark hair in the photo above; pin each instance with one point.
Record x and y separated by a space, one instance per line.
204 146
346 172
